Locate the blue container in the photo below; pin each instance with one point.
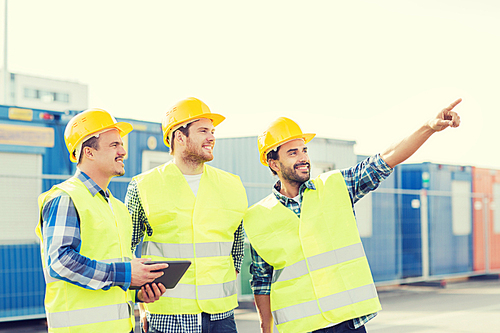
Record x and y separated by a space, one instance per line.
376 215
449 190
22 287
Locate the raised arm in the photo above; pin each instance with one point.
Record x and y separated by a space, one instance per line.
398 153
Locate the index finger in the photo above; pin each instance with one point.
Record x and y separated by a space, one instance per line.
157 267
452 105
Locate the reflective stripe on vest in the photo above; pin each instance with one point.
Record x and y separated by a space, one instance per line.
199 228
321 275
90 316
319 261
76 309
205 292
186 251
327 303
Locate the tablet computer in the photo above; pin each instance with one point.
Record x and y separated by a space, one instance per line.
172 274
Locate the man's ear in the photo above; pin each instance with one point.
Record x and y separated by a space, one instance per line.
88 153
274 165
179 136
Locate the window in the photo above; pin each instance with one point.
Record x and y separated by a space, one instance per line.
46 96
31 93
461 203
21 173
152 159
364 215
495 206
61 97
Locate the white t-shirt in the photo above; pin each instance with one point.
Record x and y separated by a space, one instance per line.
194 182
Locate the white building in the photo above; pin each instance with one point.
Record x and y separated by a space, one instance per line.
42 93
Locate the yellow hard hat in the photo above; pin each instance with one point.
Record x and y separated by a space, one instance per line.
88 122
188 109
279 132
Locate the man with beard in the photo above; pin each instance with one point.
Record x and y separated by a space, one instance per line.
84 232
308 264
187 210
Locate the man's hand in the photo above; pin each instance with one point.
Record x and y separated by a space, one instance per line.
446 118
398 153
151 292
142 274
143 318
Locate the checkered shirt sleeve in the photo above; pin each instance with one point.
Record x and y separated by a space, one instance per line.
62 243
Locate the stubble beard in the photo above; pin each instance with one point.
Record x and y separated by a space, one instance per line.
291 175
195 155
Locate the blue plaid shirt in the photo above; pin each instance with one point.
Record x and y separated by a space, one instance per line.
360 180
183 323
62 243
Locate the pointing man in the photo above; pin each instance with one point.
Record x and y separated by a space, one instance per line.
308 264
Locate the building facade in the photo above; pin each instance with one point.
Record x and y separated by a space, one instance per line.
43 93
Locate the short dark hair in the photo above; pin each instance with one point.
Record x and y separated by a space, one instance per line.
184 130
93 142
273 155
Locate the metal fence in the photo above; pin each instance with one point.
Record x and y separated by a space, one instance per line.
408 235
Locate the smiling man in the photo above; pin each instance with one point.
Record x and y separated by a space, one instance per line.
309 271
191 211
85 234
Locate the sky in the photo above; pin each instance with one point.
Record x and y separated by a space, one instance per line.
368 71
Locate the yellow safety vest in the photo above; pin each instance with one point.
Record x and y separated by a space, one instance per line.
105 235
321 275
200 229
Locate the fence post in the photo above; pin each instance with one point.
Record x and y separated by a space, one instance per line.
424 233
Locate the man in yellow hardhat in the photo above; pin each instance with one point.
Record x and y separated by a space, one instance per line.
188 210
309 270
85 234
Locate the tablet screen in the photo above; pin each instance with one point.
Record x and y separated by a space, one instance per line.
172 274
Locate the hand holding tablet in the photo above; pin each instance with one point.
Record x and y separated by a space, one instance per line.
171 274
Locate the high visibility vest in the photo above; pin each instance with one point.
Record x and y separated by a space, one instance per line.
105 233
200 229
321 275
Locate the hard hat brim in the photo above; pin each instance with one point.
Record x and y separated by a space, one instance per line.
122 127
307 137
214 117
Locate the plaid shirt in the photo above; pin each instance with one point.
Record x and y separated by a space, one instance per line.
62 243
184 323
360 180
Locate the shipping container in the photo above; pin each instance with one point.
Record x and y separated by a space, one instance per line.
486 189
376 216
22 287
446 228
